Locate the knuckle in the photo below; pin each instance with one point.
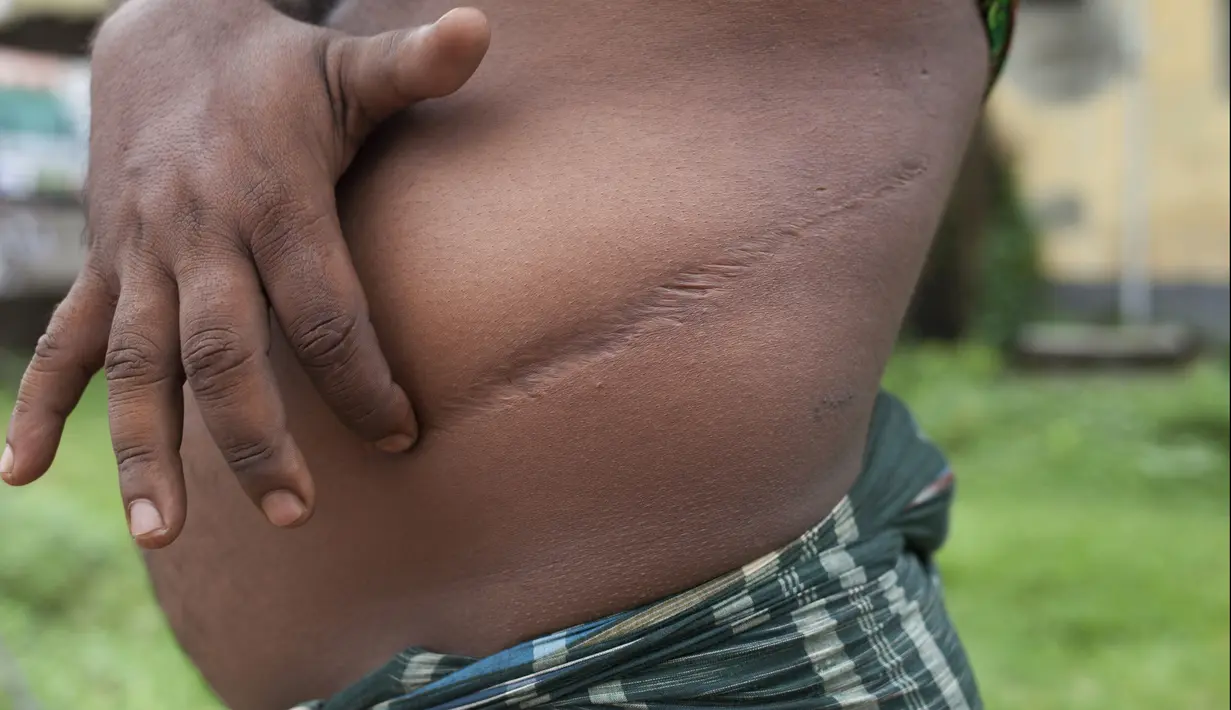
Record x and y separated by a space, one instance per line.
193 215
162 204
250 456
326 338
366 414
154 202
109 221
23 406
213 358
134 455
276 223
151 205
266 194
134 359
49 349
97 277
141 239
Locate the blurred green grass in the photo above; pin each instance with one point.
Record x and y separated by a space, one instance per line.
1088 567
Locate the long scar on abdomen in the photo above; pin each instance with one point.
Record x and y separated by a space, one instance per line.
683 297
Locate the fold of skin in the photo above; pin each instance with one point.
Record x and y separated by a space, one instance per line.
641 277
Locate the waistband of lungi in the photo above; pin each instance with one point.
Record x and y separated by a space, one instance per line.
849 615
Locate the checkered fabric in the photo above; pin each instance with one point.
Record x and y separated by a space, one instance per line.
849 615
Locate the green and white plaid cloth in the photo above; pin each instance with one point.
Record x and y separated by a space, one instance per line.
847 616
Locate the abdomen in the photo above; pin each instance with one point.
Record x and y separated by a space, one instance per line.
642 315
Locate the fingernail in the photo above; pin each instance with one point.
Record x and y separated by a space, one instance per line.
6 464
284 508
144 518
395 444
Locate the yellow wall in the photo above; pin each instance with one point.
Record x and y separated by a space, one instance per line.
1079 148
85 9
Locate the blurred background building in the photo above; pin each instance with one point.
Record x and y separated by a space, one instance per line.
1115 117
44 122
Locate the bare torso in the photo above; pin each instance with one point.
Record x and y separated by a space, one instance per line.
641 277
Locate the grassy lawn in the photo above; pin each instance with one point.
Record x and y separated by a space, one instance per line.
1088 566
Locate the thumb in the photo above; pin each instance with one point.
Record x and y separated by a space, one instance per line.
381 75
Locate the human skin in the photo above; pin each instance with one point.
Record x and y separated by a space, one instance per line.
204 215
640 278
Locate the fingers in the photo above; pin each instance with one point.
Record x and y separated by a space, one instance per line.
386 73
67 356
146 408
321 307
224 338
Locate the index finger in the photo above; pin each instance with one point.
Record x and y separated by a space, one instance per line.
316 295
67 356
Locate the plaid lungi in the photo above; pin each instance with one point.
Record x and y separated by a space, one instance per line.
849 615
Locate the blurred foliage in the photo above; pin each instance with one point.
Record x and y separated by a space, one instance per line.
75 607
982 278
1009 284
1087 568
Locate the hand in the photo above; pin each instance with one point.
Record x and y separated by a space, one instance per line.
219 131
